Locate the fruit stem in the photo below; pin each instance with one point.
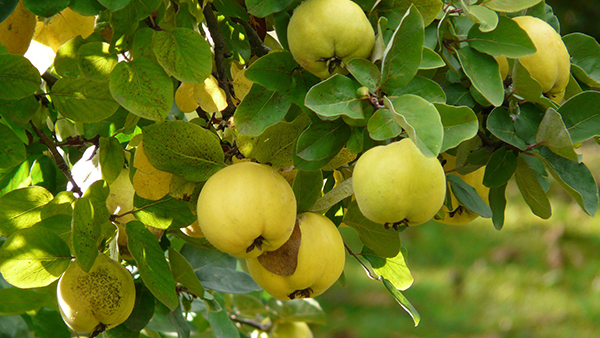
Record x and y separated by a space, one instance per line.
256 244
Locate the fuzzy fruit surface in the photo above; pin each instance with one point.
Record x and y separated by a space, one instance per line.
550 65
460 214
291 330
247 208
17 30
105 294
320 262
397 183
322 30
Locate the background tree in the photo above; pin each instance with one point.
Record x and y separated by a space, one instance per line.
206 85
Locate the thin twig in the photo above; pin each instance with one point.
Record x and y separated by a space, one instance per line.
254 324
220 51
57 157
369 273
257 47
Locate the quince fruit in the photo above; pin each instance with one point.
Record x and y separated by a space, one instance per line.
307 265
460 214
121 198
550 65
323 34
396 184
246 209
17 30
97 300
291 330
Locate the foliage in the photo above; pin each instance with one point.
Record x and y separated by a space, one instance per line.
432 77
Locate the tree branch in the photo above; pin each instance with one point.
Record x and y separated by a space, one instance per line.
57 157
220 51
254 324
256 44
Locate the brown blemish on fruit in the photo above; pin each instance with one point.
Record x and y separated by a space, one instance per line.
284 260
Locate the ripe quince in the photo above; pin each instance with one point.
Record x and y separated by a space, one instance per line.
246 209
550 65
397 184
323 34
291 330
307 265
460 214
97 300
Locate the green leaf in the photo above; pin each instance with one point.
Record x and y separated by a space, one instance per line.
21 208
184 54
500 124
262 8
423 87
152 264
85 233
585 54
273 71
532 191
18 77
165 213
395 10
382 125
307 188
183 273
12 149
497 199
486 18
217 270
468 196
527 121
114 5
260 109
399 297
500 168
383 242
221 325
457 95
276 144
575 178
20 111
319 143
83 100
334 97
460 124
553 134
421 120
15 301
33 258
431 60
86 7
581 115
365 72
49 324
184 149
334 196
98 193
66 61
508 39
46 8
111 158
143 310
524 85
403 54
509 6
143 88
7 8
96 61
231 8
483 71
392 267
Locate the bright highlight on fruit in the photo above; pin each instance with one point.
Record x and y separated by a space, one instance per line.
97 300
307 265
550 65
397 185
323 35
246 209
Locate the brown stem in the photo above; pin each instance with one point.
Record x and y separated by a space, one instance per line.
369 273
220 51
254 324
256 44
57 157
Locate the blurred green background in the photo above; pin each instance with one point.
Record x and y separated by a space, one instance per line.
533 278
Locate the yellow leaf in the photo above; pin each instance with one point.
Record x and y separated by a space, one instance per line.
210 96
184 98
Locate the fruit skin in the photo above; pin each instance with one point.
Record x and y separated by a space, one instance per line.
62 27
121 196
321 260
460 214
326 29
244 204
105 294
291 330
17 30
550 65
503 66
396 183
